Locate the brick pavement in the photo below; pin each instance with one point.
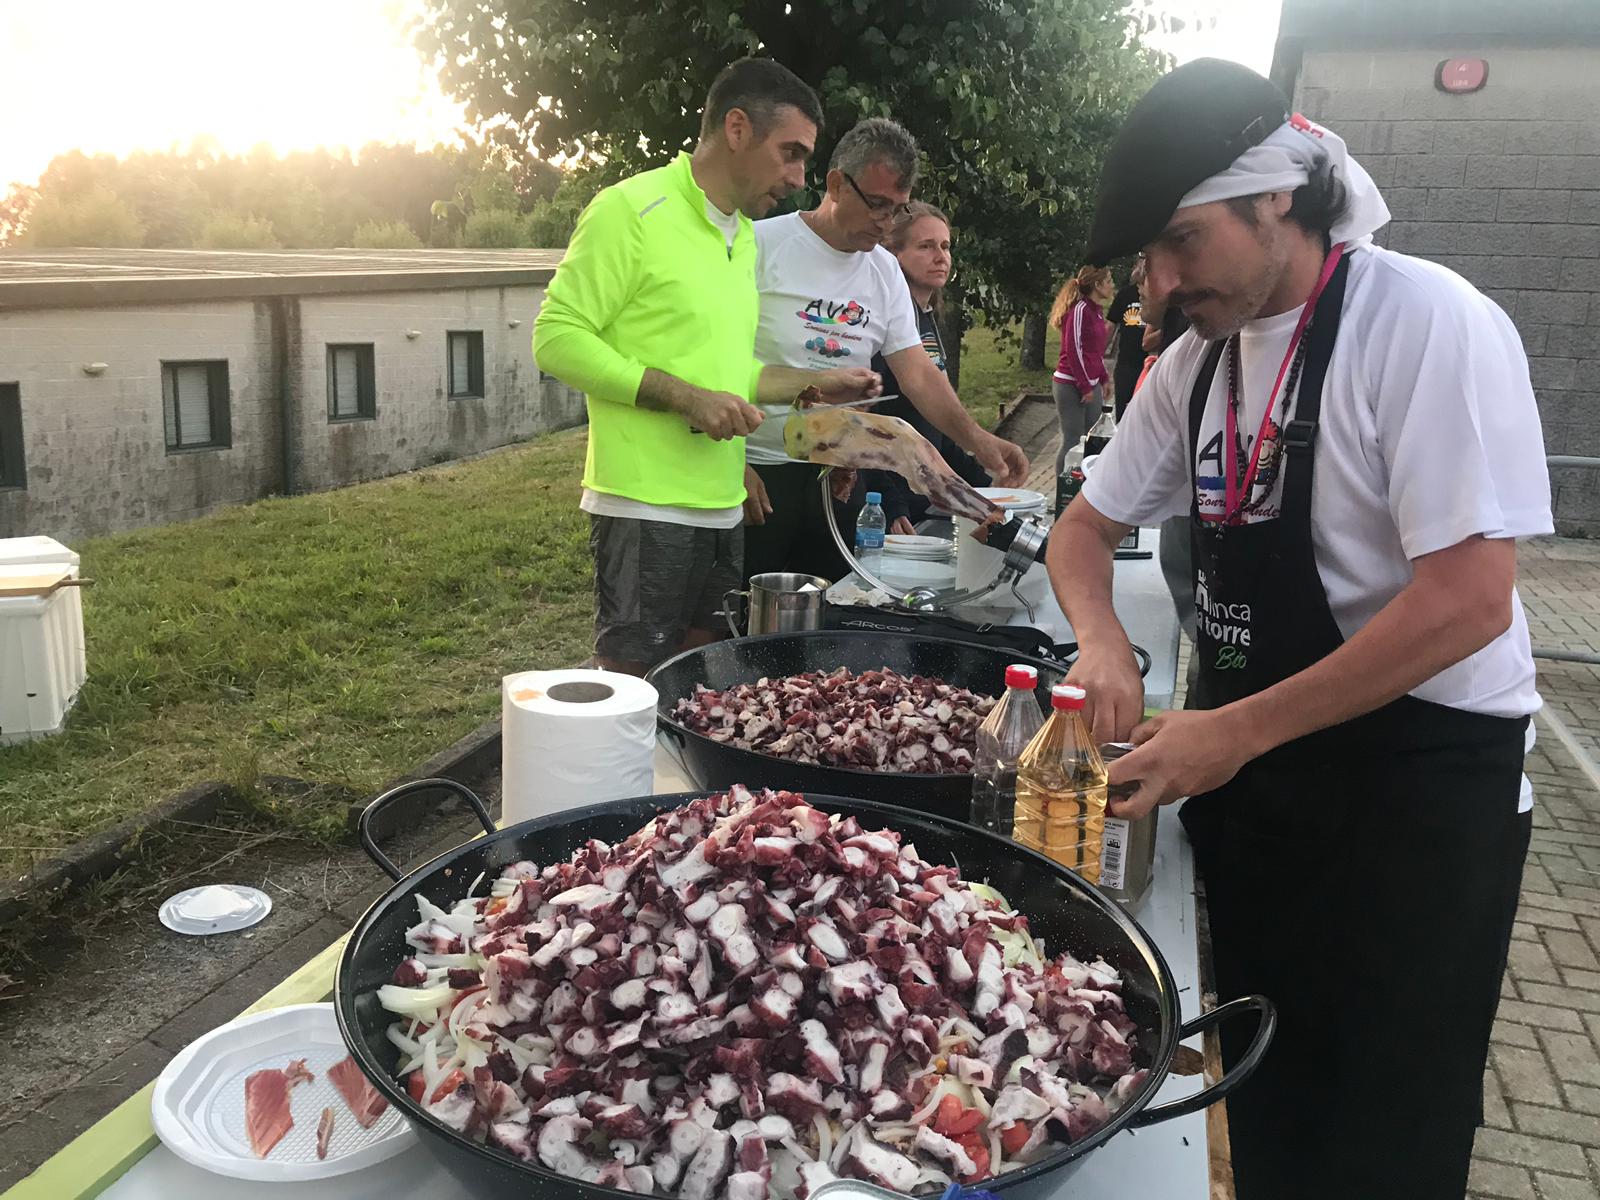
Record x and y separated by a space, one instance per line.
1541 1140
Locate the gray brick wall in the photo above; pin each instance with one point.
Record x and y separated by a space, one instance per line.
1503 186
95 445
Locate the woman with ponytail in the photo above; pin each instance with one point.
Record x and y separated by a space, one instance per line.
1079 313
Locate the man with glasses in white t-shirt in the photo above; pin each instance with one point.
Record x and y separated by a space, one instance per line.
833 296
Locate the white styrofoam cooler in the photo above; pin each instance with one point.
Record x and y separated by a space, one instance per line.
42 663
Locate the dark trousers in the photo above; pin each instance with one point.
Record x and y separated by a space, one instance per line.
1123 379
1372 901
795 535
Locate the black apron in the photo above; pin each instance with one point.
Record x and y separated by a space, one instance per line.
1363 877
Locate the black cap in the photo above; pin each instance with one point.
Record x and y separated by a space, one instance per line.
1191 125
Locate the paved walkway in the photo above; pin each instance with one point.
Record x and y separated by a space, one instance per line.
1542 1091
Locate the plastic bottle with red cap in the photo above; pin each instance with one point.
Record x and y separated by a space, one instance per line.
1003 736
1061 788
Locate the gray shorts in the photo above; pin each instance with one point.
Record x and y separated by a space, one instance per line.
654 581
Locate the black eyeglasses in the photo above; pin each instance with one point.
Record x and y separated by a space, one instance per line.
878 206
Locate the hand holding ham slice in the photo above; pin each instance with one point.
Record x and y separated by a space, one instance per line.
849 437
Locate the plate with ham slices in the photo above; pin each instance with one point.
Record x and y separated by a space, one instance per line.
275 1096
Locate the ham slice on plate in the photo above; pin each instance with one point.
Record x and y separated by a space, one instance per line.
266 1104
363 1099
324 1132
266 1109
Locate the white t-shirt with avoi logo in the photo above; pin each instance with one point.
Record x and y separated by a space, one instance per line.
822 308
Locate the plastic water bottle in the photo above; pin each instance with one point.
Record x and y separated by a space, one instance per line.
870 527
1003 736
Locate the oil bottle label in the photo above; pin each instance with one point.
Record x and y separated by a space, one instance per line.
1113 853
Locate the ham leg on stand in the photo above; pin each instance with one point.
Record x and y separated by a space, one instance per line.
838 436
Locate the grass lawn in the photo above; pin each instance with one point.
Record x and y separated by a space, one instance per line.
339 638
990 375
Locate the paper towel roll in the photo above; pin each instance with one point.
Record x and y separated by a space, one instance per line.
570 738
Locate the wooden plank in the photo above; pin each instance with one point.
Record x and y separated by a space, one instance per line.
1218 1147
32 581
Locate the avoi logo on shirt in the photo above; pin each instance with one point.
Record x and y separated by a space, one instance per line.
828 312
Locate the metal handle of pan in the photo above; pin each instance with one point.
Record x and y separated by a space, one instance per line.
370 813
728 609
1067 652
1242 1070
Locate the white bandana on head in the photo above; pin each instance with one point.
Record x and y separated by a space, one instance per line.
1288 158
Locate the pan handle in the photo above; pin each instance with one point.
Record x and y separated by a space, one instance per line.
371 811
1242 1070
1067 652
728 609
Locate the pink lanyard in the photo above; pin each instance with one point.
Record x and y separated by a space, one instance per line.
1238 493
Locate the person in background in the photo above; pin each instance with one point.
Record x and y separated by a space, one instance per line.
1126 317
831 293
652 314
921 242
1081 371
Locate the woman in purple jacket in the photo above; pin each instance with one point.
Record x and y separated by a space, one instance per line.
1079 312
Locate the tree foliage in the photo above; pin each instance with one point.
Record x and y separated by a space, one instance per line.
1012 101
385 235
201 198
235 231
493 228
96 216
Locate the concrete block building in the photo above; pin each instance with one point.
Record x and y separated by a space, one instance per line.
1500 183
145 386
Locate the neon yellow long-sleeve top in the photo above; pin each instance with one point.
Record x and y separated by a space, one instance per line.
649 281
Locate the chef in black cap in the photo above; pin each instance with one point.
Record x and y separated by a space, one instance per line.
1354 436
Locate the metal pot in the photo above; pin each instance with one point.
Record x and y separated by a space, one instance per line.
1066 912
778 604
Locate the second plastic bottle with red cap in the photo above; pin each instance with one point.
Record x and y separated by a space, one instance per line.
1003 736
1061 788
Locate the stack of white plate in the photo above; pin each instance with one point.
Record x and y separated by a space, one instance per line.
917 546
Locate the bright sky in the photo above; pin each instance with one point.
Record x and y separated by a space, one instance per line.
113 76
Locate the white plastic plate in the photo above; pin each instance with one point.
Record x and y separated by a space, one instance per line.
916 545
1013 499
198 1105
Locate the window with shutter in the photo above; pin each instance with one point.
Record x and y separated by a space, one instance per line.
465 351
351 383
13 472
194 398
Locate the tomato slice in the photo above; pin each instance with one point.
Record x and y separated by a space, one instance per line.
1014 1137
968 1121
415 1084
948 1113
978 1151
447 1085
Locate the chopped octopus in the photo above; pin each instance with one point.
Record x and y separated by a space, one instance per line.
875 721
731 1005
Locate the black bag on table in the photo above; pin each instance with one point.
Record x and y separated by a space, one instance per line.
1024 639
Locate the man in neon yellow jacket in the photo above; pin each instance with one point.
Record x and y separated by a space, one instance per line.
653 315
